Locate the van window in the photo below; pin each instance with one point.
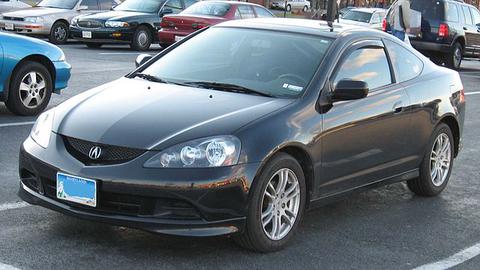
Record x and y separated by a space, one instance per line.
468 17
430 10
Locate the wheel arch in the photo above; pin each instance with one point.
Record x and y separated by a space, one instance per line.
45 61
452 123
461 40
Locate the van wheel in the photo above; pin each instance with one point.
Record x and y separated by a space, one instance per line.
59 33
276 205
142 39
437 164
454 58
30 90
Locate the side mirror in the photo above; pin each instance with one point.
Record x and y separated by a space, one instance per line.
350 90
141 59
166 11
80 8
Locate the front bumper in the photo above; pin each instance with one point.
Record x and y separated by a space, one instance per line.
20 27
103 35
62 74
193 202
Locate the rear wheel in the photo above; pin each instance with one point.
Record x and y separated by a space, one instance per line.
276 205
454 58
59 33
289 8
30 90
437 164
94 45
142 39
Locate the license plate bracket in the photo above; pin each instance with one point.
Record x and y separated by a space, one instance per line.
77 189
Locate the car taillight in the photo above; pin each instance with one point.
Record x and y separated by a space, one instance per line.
443 30
384 25
164 23
199 25
462 96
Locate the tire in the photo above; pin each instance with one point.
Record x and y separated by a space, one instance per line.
94 45
453 59
258 237
289 8
59 33
305 9
142 39
40 96
429 184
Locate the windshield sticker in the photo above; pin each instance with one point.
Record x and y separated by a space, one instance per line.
292 87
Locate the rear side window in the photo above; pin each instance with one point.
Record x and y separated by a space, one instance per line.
246 12
468 17
91 4
431 10
262 13
451 12
407 65
106 4
475 15
366 64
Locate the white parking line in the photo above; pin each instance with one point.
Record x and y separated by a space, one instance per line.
10 206
7 267
456 259
17 124
117 53
472 93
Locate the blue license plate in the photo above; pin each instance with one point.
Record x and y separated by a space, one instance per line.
77 189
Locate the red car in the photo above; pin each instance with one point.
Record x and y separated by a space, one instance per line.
203 14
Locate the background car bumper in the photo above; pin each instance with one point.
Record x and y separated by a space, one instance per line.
194 202
430 46
27 28
103 35
167 37
63 74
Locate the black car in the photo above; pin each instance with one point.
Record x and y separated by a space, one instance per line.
133 22
241 127
449 30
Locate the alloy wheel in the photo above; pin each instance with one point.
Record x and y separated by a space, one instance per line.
142 39
457 57
280 204
440 159
32 90
60 33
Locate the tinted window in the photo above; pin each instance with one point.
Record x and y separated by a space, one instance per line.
246 12
451 12
475 15
377 18
106 4
429 9
91 4
367 64
262 13
208 8
174 5
358 16
407 65
468 17
274 62
189 2
146 6
65 4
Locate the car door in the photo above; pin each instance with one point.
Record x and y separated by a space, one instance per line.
469 28
475 36
364 140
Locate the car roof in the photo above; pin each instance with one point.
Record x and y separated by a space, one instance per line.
369 10
312 27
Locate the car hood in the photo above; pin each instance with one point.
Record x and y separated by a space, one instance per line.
152 116
116 15
35 11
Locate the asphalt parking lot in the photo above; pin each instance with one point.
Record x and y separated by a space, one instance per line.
387 228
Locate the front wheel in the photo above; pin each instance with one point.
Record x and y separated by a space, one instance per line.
276 206
142 39
437 164
59 33
30 90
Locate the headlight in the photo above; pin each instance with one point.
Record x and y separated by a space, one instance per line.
218 151
116 24
33 19
43 128
62 57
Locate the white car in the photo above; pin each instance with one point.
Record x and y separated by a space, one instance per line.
366 17
290 5
11 5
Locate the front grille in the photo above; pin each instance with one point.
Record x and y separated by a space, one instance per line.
89 24
110 154
12 18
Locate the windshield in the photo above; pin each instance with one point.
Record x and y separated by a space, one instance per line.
359 16
63 4
208 8
145 6
274 63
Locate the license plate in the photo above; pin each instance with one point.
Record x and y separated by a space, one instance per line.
77 189
178 38
9 26
86 34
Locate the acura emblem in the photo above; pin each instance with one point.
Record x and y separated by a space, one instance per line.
95 152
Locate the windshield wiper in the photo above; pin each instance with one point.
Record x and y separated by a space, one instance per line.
227 87
149 77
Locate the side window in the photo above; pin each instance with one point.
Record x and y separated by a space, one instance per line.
174 5
451 12
407 65
366 64
375 18
237 14
246 12
106 4
262 13
475 15
189 2
91 4
468 17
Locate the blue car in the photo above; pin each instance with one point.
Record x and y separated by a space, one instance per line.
30 71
